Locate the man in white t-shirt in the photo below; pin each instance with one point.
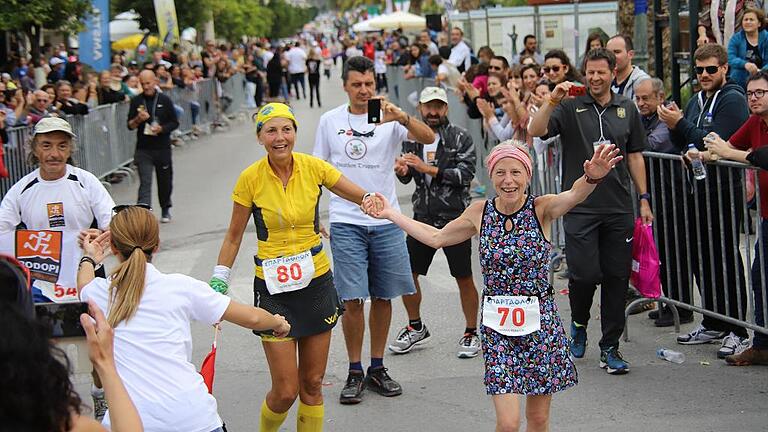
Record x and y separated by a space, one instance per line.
461 55
297 67
425 40
45 213
370 257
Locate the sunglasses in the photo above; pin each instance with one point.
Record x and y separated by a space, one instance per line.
711 70
118 208
555 69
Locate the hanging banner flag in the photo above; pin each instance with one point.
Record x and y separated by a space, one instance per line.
167 24
94 47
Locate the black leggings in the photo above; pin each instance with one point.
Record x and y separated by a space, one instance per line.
314 88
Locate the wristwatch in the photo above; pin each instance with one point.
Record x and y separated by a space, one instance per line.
645 196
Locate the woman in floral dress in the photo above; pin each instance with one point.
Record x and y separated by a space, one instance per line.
525 347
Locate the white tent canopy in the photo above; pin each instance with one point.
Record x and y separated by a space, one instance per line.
400 19
364 26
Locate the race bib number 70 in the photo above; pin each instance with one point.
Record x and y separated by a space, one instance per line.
512 315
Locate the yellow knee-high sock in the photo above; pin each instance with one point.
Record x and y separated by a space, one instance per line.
310 418
270 421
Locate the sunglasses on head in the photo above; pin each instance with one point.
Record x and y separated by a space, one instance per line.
555 69
710 69
118 208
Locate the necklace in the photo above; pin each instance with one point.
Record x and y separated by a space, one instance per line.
355 133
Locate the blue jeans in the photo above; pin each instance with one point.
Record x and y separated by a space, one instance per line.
370 261
760 340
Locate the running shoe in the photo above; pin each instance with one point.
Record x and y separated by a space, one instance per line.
379 381
612 361
352 393
469 346
578 340
99 406
732 345
408 338
700 335
166 217
750 356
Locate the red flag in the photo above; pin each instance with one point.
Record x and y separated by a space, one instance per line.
208 368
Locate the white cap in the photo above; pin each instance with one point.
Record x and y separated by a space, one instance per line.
56 61
53 124
433 93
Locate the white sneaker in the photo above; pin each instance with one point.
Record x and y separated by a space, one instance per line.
408 338
469 346
700 335
732 345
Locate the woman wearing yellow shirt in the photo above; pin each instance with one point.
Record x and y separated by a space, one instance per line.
293 276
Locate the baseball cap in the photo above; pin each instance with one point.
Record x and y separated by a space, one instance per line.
56 61
53 124
133 63
6 76
433 93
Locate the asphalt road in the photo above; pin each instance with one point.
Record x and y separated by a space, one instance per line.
441 392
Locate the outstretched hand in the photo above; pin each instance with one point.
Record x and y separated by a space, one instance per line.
605 158
97 248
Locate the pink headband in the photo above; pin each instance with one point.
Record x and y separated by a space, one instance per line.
502 151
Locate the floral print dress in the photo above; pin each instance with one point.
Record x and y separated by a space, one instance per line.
516 262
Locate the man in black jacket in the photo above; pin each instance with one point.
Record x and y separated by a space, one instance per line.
715 204
442 172
153 116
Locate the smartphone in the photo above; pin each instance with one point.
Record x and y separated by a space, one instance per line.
62 319
374 111
577 91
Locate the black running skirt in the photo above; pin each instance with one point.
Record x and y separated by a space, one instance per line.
310 311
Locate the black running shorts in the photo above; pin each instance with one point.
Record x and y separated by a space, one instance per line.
310 311
459 257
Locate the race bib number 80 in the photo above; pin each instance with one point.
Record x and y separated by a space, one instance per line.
512 315
291 273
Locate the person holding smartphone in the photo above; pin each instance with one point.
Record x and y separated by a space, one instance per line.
151 312
370 256
598 231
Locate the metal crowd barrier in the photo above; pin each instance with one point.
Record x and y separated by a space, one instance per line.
702 229
234 89
705 240
105 145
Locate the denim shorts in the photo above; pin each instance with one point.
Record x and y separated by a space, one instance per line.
370 261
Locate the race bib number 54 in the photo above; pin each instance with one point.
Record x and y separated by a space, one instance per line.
291 273
512 315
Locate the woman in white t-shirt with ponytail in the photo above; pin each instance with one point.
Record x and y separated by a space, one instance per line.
151 314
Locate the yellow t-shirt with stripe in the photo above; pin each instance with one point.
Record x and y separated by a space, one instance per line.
287 218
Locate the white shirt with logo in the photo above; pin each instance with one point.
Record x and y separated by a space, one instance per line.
67 205
430 150
153 350
368 162
297 60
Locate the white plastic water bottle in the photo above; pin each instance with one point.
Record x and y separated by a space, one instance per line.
699 171
670 356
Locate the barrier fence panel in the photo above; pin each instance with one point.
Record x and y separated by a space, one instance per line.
394 75
705 238
105 145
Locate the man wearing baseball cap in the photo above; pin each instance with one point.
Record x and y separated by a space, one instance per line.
442 172
46 213
57 72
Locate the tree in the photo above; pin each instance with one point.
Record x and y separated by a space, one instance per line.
190 13
31 16
236 18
